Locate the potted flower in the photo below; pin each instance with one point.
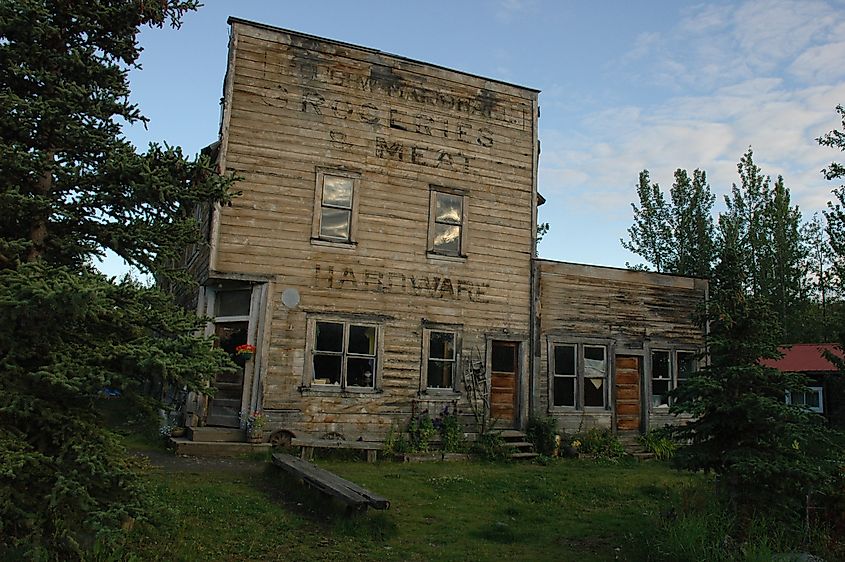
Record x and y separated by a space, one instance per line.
255 423
244 353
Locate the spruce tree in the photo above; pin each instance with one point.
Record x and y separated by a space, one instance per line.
71 186
766 453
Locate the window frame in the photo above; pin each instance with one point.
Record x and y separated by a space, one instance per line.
425 357
580 373
674 371
432 221
311 351
317 222
814 388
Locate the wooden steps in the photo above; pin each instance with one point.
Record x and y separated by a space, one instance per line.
630 441
518 441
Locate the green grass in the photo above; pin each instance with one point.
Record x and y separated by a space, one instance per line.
568 510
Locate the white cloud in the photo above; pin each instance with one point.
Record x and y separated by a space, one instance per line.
820 64
729 69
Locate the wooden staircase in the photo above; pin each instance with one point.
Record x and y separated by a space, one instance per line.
631 443
517 440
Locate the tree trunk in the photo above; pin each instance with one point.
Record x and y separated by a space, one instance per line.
38 230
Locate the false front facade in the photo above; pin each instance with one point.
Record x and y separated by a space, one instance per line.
380 255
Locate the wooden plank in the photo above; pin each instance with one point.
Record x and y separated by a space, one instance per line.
330 483
337 444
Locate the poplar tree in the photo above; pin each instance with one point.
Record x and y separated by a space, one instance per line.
692 224
71 186
651 233
674 236
835 213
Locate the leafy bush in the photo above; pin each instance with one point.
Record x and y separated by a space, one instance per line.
421 431
601 444
541 431
659 443
451 432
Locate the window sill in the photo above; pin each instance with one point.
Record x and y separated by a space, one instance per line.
445 257
440 394
334 244
330 390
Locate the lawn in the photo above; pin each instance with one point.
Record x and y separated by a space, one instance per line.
567 510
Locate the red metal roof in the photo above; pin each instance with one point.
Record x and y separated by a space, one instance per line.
804 358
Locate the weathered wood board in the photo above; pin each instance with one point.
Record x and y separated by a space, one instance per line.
329 483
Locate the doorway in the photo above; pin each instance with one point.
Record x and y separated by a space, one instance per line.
504 369
231 305
628 405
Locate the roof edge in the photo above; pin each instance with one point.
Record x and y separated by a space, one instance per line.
234 19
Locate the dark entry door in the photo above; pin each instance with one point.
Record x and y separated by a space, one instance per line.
628 401
503 379
224 408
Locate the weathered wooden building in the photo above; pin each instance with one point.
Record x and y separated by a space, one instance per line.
613 343
382 248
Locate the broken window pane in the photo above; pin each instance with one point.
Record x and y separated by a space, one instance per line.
595 364
660 392
565 360
660 365
337 191
329 336
448 208
593 392
335 223
440 374
327 369
232 303
441 345
686 365
362 340
564 391
360 372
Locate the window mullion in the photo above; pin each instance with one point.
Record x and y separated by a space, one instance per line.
344 355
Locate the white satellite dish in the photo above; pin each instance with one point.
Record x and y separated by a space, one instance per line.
290 297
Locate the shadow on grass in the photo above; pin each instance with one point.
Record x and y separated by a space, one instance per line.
318 507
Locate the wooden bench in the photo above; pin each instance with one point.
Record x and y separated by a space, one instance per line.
348 492
307 447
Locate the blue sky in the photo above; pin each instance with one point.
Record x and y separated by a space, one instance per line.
624 86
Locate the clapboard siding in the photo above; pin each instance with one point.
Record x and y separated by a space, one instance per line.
633 311
295 104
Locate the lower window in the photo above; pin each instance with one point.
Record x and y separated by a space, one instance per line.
579 375
441 347
669 370
344 354
812 399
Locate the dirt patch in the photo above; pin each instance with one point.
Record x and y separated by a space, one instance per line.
166 461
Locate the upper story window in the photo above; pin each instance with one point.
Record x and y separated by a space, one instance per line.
447 222
579 375
344 354
669 370
335 206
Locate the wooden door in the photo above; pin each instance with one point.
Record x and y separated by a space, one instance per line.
628 399
504 369
225 407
